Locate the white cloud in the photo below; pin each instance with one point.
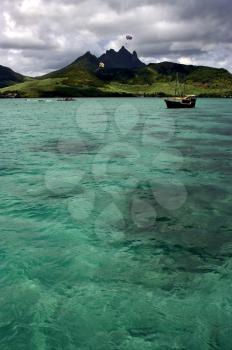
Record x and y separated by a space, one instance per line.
186 60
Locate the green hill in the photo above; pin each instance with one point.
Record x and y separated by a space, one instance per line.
9 77
83 77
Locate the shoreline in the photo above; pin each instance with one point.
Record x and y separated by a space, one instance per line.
103 96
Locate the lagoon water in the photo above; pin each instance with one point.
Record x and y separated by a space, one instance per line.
115 225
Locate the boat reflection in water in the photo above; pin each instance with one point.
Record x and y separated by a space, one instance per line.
181 102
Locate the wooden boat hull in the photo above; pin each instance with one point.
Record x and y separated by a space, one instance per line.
181 103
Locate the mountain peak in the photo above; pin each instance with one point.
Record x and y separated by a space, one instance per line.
135 54
123 49
122 59
110 50
88 60
87 55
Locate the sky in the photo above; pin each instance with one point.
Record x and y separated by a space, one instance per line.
39 36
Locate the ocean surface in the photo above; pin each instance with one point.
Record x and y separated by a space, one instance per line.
116 228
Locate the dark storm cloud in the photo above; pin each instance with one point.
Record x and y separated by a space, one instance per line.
42 35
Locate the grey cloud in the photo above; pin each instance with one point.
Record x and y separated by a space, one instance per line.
42 35
24 45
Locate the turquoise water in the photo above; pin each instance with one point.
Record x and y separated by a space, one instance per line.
115 225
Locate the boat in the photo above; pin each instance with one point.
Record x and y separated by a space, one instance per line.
188 101
180 100
66 99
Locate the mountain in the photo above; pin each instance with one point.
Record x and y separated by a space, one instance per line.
195 73
72 79
122 59
86 62
9 77
123 75
167 72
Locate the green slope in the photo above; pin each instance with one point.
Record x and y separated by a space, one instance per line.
77 79
84 78
9 77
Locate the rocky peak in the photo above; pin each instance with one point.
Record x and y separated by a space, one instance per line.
122 59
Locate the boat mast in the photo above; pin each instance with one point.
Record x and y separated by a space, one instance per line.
177 86
184 86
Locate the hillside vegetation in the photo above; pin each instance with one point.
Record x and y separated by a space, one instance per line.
9 77
83 77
